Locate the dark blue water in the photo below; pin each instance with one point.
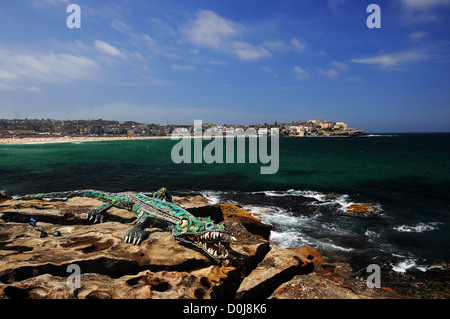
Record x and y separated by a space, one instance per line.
406 178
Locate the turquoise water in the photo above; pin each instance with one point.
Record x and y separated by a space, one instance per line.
405 177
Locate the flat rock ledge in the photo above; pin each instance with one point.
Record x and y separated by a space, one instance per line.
36 266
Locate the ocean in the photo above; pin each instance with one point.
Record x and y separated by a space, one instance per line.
404 177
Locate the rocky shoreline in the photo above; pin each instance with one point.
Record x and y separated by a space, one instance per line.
36 266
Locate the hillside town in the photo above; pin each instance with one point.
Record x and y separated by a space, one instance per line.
15 128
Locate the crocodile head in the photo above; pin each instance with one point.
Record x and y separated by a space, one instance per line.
205 235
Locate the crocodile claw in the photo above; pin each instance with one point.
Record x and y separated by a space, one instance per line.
134 236
95 217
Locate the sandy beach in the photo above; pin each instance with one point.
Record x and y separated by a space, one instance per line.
55 139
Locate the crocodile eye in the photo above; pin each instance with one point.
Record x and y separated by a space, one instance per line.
184 223
209 225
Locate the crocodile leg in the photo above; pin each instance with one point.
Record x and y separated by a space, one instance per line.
98 214
136 234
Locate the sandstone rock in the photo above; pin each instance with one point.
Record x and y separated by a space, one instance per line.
32 266
233 212
277 266
311 254
190 201
330 281
356 209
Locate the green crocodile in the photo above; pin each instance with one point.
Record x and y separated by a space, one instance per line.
199 232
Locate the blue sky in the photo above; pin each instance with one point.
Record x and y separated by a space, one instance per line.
237 62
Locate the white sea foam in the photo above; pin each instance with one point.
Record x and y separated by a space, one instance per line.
213 197
282 218
411 263
288 238
292 192
310 194
419 228
404 265
294 228
380 135
334 246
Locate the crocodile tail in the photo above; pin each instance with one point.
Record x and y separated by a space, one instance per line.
65 195
53 195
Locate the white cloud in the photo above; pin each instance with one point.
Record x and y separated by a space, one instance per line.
248 52
108 49
335 6
355 78
418 35
183 67
211 30
416 11
275 45
333 73
424 4
393 59
269 70
53 2
9 87
330 73
297 45
122 27
339 65
300 74
45 66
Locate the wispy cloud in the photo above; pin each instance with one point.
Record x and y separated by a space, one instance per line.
269 70
297 45
8 86
425 4
300 73
45 66
355 78
177 67
339 65
330 73
392 59
277 45
334 71
249 52
108 49
424 10
418 35
335 6
211 30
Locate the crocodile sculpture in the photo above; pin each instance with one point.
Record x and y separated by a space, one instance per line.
202 233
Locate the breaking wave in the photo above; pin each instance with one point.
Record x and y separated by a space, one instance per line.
419 228
321 220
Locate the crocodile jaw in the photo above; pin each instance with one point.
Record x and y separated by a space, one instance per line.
209 241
